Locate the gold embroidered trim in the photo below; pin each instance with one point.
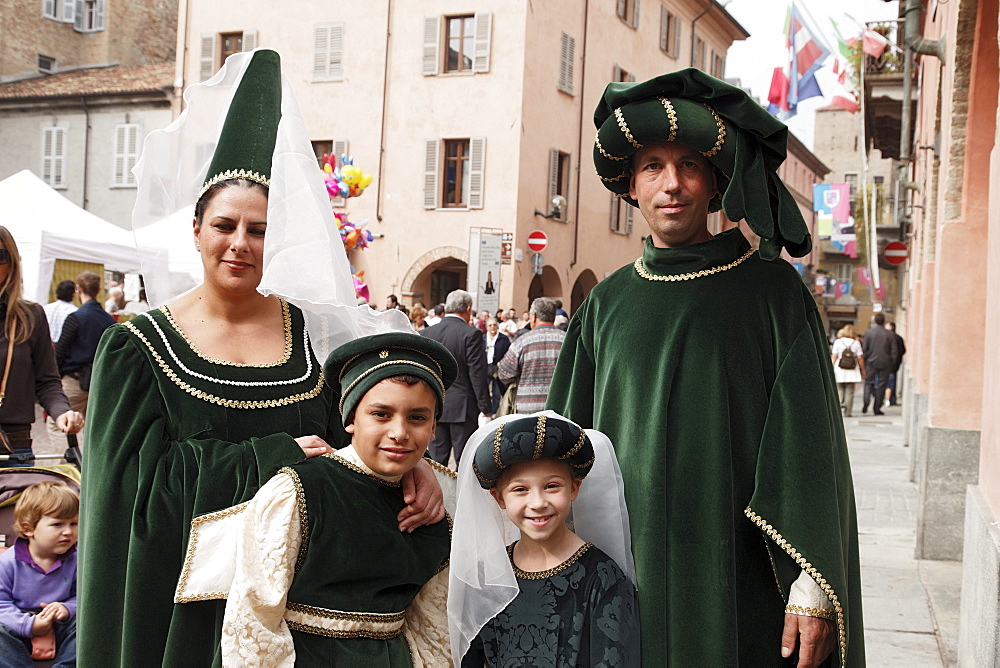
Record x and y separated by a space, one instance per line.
809 612
722 135
300 503
441 468
286 318
812 572
233 174
539 437
621 123
672 116
228 403
613 178
385 364
327 613
585 464
541 575
620 195
357 469
641 270
483 480
576 447
189 555
361 633
496 448
597 143
347 364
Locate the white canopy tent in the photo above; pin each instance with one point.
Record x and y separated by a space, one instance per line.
174 234
47 227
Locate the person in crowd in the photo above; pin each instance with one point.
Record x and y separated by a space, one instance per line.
892 395
848 366
116 299
418 317
435 316
706 363
137 306
507 324
77 344
531 360
470 395
881 354
56 312
27 363
391 302
525 321
222 388
497 345
38 579
296 576
573 599
560 311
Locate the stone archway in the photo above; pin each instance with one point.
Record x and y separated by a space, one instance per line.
434 274
547 284
584 283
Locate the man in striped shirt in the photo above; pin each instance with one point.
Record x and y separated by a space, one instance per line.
532 358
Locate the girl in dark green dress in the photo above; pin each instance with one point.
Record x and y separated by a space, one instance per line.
571 604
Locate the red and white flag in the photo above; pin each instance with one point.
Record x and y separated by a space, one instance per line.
873 43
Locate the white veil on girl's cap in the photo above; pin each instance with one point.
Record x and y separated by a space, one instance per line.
481 580
304 258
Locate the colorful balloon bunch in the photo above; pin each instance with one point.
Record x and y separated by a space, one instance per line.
360 287
353 236
342 178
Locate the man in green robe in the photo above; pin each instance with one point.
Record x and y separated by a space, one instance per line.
706 364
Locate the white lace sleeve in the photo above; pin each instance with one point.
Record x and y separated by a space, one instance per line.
254 632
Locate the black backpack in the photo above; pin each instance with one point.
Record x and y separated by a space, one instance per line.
848 360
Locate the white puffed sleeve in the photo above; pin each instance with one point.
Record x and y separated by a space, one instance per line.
254 632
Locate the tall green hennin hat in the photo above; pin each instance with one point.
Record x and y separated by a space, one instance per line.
357 366
246 144
741 140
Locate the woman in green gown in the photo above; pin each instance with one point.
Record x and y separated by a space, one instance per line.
193 407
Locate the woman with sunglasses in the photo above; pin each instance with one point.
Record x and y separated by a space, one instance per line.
27 362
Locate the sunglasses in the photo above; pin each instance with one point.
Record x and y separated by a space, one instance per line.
4 256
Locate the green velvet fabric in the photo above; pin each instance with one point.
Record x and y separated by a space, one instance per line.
379 569
753 148
251 128
718 395
156 457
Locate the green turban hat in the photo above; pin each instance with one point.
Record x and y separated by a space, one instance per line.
532 437
246 144
357 366
744 143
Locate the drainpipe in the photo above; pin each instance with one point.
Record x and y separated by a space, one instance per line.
86 148
916 41
695 21
385 98
579 135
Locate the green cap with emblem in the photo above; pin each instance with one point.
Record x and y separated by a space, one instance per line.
357 366
532 437
744 143
246 144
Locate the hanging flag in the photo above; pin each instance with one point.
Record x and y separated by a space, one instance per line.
807 54
843 288
873 43
864 275
846 47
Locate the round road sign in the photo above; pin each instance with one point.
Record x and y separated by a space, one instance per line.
896 252
537 241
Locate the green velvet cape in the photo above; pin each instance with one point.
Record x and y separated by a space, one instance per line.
719 396
164 445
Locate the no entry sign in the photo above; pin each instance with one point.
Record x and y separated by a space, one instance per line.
896 252
537 241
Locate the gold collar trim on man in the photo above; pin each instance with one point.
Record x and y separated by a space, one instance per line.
641 270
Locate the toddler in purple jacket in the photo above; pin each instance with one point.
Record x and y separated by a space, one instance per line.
38 579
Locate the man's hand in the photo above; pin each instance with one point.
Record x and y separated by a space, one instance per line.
816 638
423 496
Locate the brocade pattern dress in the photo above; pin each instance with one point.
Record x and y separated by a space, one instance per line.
174 434
580 613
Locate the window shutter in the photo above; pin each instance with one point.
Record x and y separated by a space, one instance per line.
118 171
321 52
207 56
614 213
616 74
635 14
622 6
336 67
49 9
249 39
126 152
432 27
53 158
67 10
567 54
553 175
79 16
340 147
481 59
477 162
675 49
629 213
47 155
631 77
99 18
431 147
664 27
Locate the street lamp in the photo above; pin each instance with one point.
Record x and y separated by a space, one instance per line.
556 206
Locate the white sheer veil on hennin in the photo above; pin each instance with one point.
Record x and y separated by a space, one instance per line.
481 581
304 258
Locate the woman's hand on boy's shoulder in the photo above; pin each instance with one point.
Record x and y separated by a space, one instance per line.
313 446
424 498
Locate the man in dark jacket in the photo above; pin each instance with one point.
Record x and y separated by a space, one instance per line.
78 341
881 353
894 376
469 395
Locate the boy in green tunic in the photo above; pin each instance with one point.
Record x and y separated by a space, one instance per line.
320 572
574 605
